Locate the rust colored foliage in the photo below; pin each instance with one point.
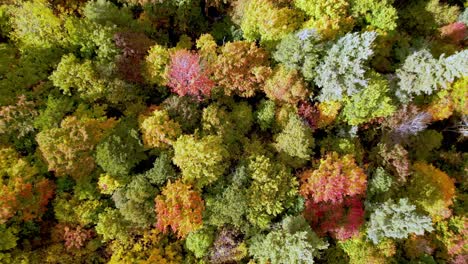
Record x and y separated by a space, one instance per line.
341 220
455 32
335 178
396 159
189 75
180 208
23 193
76 237
134 48
241 68
286 86
310 113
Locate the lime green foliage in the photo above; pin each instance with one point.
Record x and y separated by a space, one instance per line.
121 150
293 242
207 46
330 18
35 25
295 142
265 114
431 190
156 65
106 13
80 76
158 130
202 161
162 170
376 14
460 95
342 71
396 220
108 184
111 225
286 86
200 241
361 250
300 51
421 73
372 102
71 209
424 17
273 190
263 19
136 201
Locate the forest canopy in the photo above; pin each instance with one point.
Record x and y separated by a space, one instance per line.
233 131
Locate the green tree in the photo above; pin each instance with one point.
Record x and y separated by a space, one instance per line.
396 220
342 71
293 242
202 161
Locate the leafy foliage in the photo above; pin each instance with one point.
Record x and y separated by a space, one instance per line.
396 220
180 208
158 130
202 161
188 75
268 196
334 179
241 68
342 71
293 242
423 74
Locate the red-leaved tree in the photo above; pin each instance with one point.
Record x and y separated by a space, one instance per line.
341 220
189 75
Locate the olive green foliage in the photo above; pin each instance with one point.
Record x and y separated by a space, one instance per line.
273 190
424 143
300 51
156 65
424 17
135 201
158 130
380 184
9 237
295 142
230 205
55 110
342 71
396 220
184 110
293 242
202 161
374 101
105 12
265 114
121 150
162 170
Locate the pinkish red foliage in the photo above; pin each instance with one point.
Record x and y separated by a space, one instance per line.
341 220
188 75
77 237
310 113
455 32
